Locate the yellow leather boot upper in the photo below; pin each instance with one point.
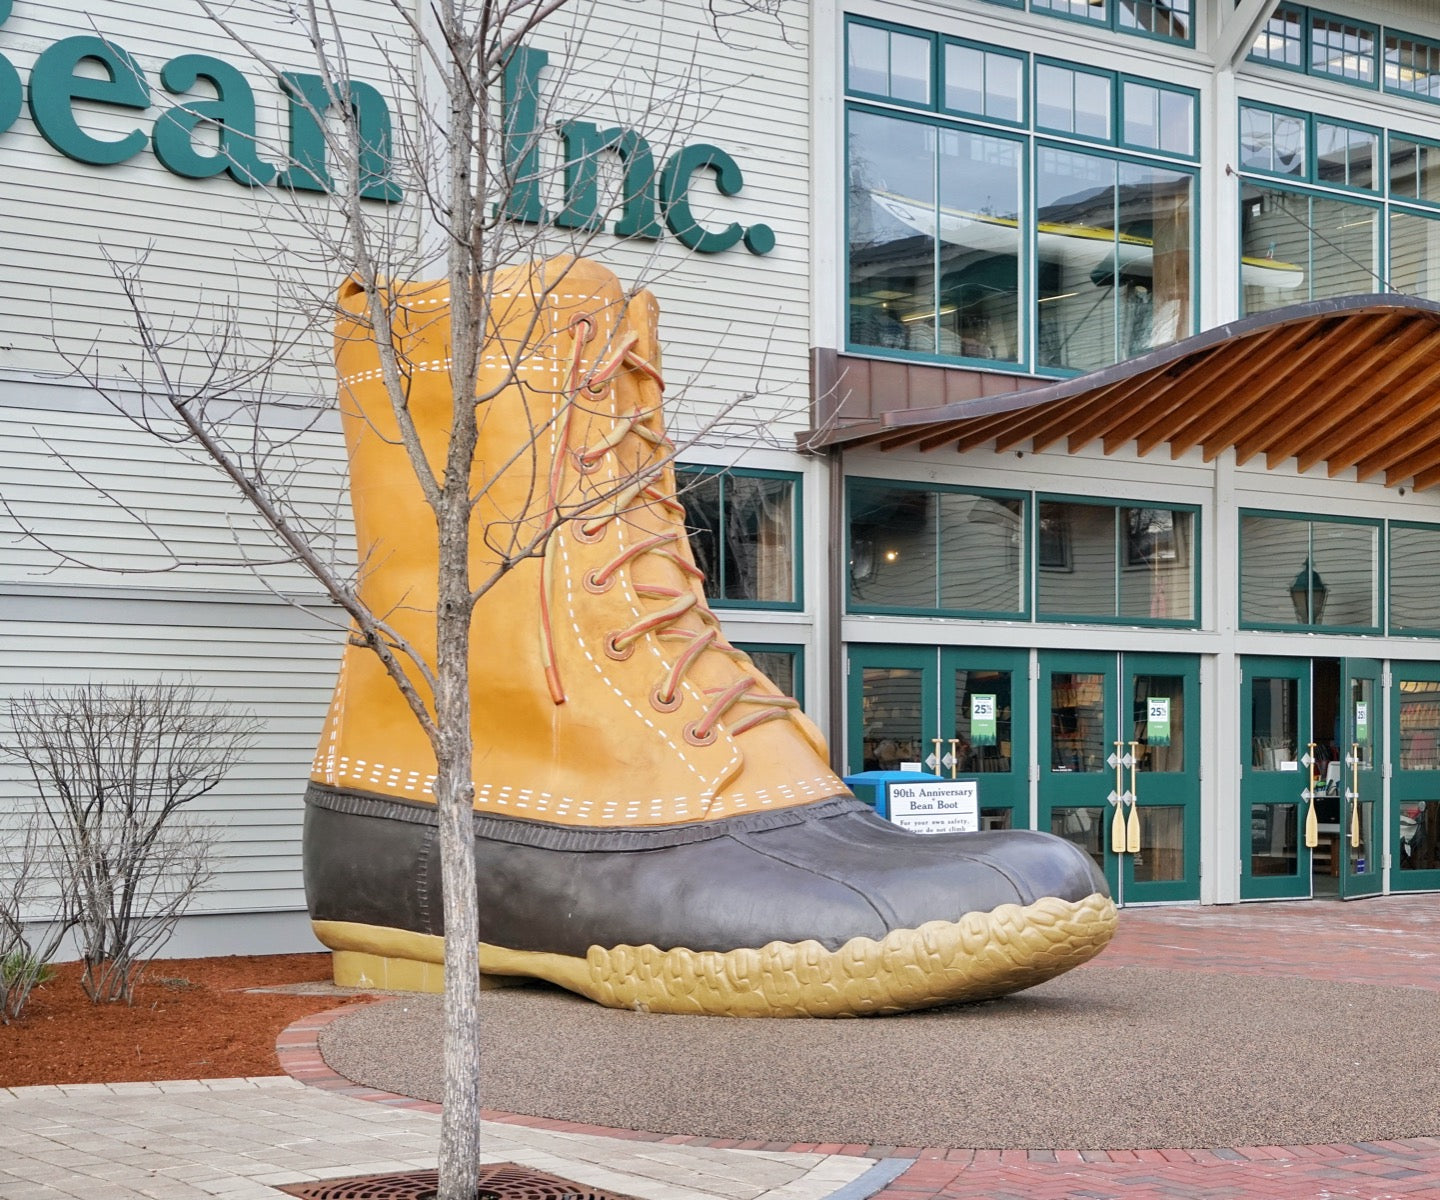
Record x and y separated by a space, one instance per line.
603 692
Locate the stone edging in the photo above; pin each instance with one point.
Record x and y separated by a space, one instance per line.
298 1049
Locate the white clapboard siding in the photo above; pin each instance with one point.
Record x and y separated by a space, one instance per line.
68 479
282 675
734 324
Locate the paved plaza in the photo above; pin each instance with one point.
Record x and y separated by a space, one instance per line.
239 1138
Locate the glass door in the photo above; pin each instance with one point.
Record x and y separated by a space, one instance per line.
1162 741
1119 767
1415 785
1357 849
1274 738
1080 785
960 713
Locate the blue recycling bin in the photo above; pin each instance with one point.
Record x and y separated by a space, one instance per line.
873 787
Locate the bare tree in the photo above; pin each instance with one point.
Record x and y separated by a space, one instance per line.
112 767
474 152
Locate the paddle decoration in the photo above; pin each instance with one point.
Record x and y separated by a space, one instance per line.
1354 795
1132 827
1118 797
1312 821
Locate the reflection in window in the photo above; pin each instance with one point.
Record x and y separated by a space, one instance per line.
1296 571
885 62
1282 40
1346 155
1414 170
1274 849
1158 118
955 551
1083 9
1071 101
1272 142
1274 723
1414 598
1082 826
1081 737
983 716
1162 844
1298 247
1342 49
781 667
984 83
934 239
1170 20
1113 258
1412 65
1415 254
1420 835
1108 562
742 533
890 714
1419 725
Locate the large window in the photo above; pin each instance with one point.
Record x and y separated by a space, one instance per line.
1170 20
744 530
1309 572
1359 210
1414 598
1105 562
927 550
972 238
935 550
1296 38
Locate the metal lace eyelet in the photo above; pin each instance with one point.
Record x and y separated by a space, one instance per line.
594 584
696 738
584 319
584 464
618 653
579 534
660 704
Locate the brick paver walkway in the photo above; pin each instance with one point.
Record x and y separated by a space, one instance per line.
1393 941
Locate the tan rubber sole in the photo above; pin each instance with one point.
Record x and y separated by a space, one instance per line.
981 956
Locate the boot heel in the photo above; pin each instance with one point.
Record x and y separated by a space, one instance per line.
356 969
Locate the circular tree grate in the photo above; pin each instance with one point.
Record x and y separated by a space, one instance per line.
498 1181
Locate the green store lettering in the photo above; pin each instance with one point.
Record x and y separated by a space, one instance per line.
56 84
648 195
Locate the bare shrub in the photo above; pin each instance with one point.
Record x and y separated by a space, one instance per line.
33 876
113 766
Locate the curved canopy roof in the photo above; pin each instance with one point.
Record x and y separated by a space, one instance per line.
1350 382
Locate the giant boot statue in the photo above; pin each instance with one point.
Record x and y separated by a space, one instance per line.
656 826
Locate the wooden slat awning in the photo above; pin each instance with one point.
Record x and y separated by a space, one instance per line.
1349 382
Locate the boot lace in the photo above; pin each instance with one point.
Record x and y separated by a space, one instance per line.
644 490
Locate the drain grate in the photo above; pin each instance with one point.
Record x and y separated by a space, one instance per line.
498 1181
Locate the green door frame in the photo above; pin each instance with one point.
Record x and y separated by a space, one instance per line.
1171 789
1360 873
1000 791
936 715
1265 783
1076 738
1414 788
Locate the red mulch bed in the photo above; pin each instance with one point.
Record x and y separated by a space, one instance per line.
192 1019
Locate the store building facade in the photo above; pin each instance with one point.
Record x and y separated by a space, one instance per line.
1086 357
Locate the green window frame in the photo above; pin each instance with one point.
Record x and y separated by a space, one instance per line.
1049 69
722 580
1322 138
1332 40
1405 54
1401 583
990 58
1138 547
904 523
1426 159
794 651
1282 42
1300 599
1172 23
857 28
1264 123
925 279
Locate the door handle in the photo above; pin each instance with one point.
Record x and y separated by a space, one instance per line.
1117 798
1312 821
1355 795
1132 827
